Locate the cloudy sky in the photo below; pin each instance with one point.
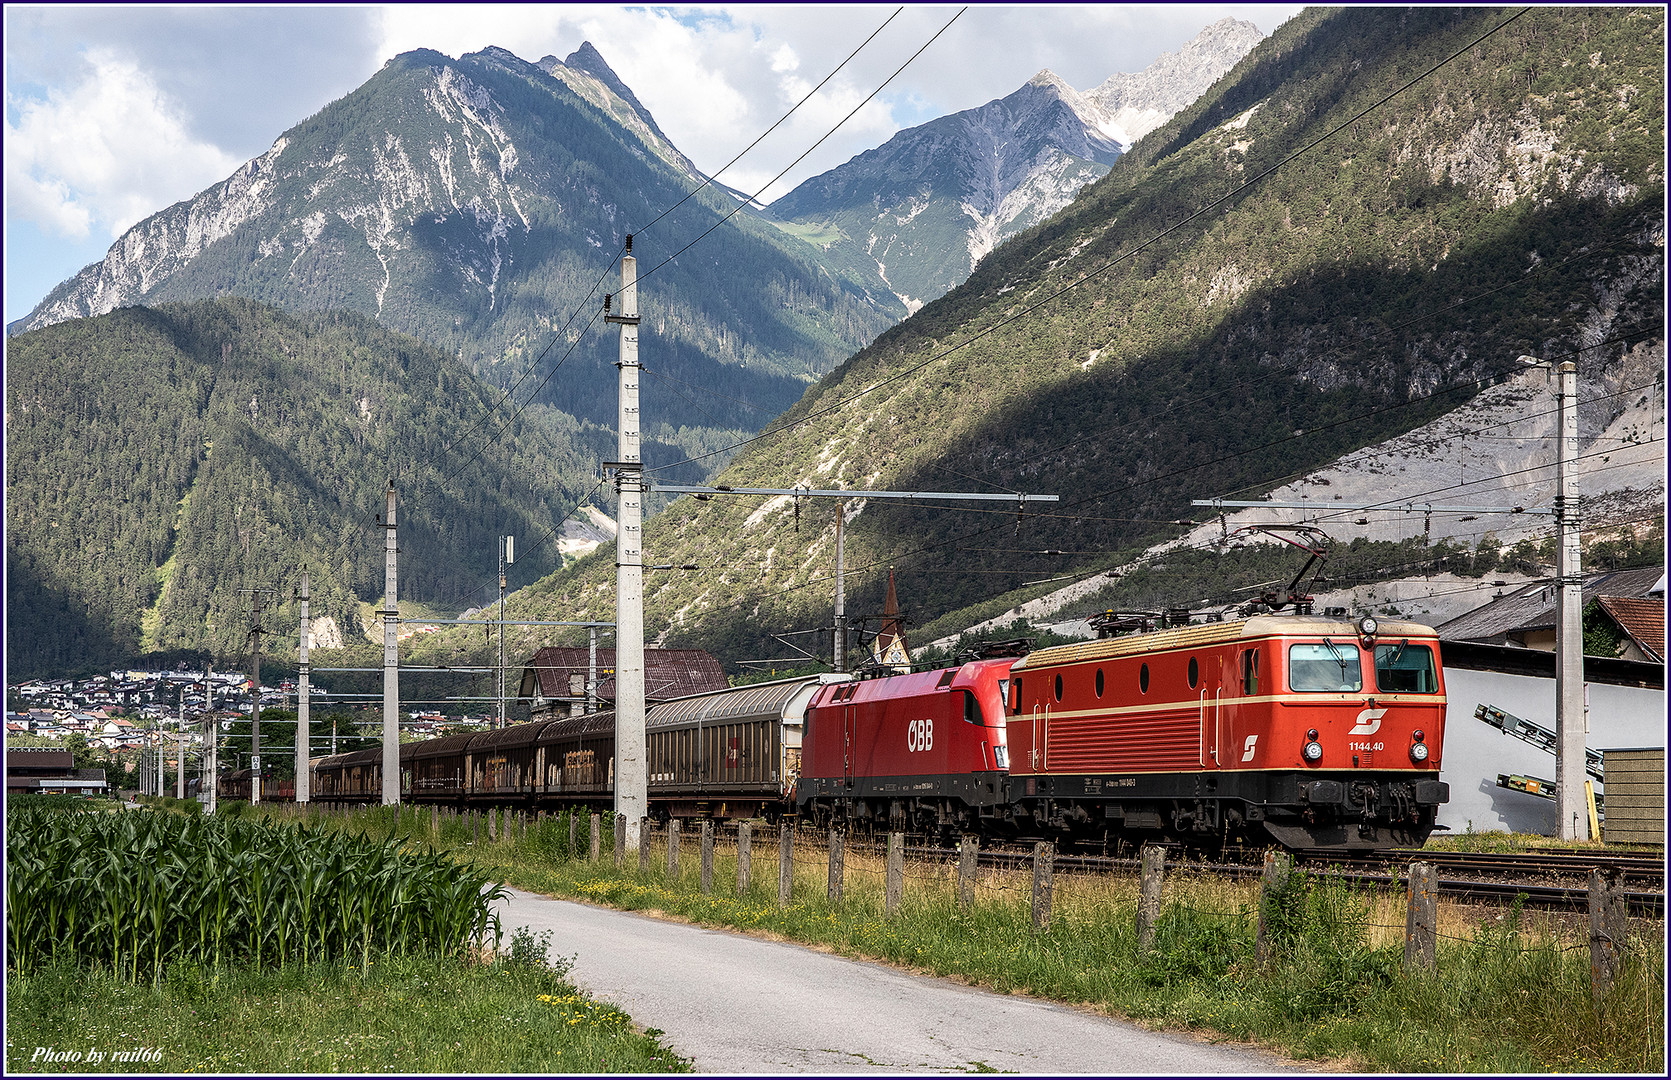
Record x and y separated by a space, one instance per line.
113 113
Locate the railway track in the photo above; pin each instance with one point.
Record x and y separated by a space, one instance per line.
1497 878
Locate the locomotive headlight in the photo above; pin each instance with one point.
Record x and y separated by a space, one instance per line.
1313 751
1367 626
1418 752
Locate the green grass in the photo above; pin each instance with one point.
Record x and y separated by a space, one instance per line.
1511 991
404 1015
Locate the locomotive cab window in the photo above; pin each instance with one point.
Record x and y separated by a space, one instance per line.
972 708
1327 667
1405 669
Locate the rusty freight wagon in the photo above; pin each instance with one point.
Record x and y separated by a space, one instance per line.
729 754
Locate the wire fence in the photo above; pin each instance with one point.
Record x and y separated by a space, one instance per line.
1284 910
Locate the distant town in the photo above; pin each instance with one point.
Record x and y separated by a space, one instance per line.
125 713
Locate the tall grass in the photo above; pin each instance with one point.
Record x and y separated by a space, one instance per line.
133 893
1510 992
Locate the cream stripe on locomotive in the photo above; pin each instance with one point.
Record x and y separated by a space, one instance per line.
1258 628
1195 703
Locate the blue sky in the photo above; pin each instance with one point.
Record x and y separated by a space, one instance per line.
115 113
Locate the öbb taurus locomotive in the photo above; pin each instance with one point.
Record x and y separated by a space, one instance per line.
1312 732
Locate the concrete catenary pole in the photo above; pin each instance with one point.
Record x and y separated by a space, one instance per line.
631 780
180 760
839 649
507 554
1569 629
391 660
591 670
304 727
211 739
255 706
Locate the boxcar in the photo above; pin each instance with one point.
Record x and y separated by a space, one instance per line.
731 753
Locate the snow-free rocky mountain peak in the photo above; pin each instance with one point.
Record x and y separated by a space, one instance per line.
924 208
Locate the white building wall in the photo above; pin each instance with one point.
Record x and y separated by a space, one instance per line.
1475 752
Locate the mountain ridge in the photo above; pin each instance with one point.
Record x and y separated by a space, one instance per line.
932 201
1361 291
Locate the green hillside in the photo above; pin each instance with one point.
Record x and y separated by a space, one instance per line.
1508 201
160 460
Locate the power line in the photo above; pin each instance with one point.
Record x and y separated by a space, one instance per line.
1024 312
739 207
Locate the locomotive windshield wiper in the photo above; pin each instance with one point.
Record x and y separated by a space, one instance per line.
1339 657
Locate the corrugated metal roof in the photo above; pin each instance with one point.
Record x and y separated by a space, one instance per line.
1641 617
1532 607
761 699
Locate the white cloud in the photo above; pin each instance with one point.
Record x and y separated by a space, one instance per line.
105 152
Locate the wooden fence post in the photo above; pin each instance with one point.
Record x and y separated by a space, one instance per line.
896 872
597 836
620 840
1044 872
968 858
1148 902
707 857
1421 919
1607 930
1273 883
785 863
644 843
837 866
673 848
745 856
492 824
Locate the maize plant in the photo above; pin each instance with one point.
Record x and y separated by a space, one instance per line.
135 892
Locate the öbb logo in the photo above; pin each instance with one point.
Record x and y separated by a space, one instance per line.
1369 722
919 735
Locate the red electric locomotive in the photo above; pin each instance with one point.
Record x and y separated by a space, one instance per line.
924 751
1312 731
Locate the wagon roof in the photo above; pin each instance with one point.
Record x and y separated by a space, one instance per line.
591 724
508 738
1197 634
446 744
759 699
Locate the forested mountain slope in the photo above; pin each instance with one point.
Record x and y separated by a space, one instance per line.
475 203
158 461
1130 355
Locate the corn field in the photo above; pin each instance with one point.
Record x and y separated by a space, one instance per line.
135 892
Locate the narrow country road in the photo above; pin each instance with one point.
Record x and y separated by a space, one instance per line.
735 1004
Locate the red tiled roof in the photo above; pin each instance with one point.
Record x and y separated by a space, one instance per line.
1642 617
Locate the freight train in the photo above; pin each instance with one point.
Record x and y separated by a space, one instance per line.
1312 732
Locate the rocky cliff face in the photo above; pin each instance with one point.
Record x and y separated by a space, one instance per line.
928 205
1128 107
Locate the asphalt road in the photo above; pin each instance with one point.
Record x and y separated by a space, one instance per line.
735 1004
